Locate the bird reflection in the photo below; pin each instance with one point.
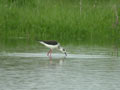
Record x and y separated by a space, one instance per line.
59 61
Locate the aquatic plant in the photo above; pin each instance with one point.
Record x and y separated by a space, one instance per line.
69 21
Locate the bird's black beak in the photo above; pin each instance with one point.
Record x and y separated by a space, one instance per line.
65 54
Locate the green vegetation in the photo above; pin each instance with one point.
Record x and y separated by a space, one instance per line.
70 21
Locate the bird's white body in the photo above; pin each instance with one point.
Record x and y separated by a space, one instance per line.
50 46
53 45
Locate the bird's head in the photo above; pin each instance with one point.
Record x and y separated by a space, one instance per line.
62 50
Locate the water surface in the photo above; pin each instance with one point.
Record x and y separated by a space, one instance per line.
82 69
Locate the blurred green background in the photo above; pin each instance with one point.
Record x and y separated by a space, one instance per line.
92 22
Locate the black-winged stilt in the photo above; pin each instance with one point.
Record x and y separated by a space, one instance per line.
53 45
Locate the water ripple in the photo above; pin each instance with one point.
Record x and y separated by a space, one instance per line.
55 55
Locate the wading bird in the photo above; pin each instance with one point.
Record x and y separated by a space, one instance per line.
53 45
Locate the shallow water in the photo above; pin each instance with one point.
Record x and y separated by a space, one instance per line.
82 69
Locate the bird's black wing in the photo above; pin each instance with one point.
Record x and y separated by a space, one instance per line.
51 42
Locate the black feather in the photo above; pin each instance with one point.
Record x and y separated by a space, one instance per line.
51 42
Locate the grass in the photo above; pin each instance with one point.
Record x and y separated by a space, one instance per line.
60 20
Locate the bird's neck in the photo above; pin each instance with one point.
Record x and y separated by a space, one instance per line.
59 47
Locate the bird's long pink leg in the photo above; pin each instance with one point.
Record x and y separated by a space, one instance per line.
48 52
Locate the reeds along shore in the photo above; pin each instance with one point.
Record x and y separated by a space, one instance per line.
70 21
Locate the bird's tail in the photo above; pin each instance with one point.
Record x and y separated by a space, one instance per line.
40 41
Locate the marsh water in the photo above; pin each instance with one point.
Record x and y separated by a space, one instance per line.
83 69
